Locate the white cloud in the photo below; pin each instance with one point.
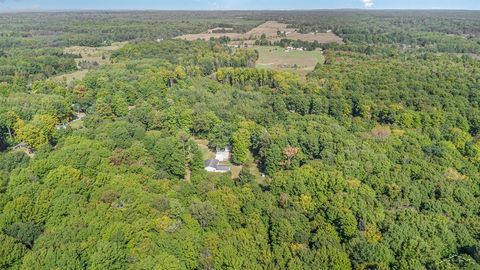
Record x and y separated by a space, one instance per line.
368 3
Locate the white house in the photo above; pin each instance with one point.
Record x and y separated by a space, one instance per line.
223 155
213 165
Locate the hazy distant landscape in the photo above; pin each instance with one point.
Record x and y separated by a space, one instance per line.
313 139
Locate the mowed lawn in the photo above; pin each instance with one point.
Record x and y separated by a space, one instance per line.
277 58
206 152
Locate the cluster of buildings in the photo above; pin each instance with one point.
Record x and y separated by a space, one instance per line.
219 30
290 48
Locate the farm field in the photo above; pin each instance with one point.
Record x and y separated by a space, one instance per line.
101 55
270 29
278 58
311 37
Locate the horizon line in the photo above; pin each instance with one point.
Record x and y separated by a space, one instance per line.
230 10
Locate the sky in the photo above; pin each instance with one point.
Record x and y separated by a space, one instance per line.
12 5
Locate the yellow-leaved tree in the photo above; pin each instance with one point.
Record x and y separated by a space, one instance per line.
37 132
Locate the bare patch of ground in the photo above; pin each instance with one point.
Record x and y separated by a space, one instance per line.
235 171
270 29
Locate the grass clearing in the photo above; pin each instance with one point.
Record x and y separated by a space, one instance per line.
70 77
256 172
206 152
99 55
278 59
77 124
234 170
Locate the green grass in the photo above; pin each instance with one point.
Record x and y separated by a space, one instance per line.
77 124
206 152
70 77
277 58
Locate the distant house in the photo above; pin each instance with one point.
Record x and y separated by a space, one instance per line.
78 116
290 48
213 165
219 29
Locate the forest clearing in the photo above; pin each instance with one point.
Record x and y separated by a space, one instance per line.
302 62
88 57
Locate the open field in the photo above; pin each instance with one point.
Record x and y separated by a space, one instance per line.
270 29
278 58
319 37
76 75
99 55
207 36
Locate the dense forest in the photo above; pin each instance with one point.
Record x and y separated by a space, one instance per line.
371 161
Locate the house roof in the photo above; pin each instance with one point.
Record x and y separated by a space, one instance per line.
211 163
223 168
